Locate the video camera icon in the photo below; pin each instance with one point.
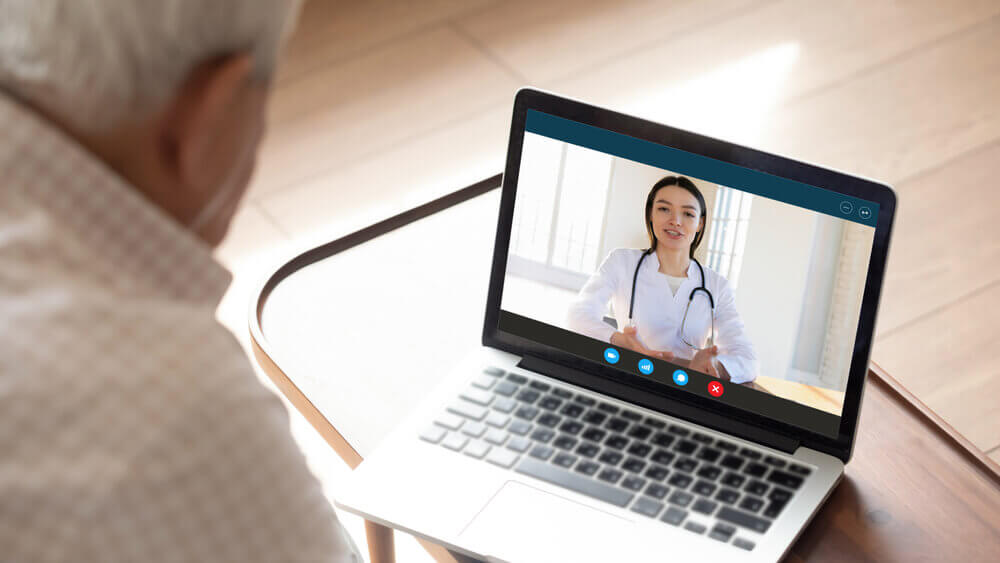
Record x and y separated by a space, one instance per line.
611 356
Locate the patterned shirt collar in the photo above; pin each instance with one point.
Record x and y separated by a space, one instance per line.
44 167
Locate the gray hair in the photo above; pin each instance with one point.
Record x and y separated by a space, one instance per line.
92 63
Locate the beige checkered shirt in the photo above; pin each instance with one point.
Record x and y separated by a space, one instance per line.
132 427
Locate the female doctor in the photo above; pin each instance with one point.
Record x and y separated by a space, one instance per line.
656 292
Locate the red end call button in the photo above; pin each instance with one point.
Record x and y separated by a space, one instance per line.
715 389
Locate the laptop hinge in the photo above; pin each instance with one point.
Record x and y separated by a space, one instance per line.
658 403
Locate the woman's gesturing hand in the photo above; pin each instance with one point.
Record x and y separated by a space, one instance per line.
629 338
702 361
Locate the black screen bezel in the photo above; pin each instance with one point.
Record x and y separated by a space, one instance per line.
527 98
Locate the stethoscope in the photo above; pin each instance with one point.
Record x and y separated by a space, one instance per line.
702 288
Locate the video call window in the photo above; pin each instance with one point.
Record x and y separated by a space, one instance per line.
786 281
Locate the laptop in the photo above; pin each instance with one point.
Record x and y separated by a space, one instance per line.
596 423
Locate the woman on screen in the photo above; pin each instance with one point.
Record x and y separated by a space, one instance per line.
666 304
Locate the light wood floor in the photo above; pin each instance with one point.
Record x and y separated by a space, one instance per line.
383 105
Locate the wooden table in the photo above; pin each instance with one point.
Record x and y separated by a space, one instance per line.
355 331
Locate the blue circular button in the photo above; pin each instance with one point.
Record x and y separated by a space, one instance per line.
612 356
645 366
680 377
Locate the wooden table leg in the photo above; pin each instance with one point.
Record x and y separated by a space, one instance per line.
381 545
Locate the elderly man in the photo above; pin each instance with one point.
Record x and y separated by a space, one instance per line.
132 427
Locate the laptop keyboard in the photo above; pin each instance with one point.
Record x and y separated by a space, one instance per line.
648 465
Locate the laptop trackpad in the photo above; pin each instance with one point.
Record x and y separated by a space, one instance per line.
522 523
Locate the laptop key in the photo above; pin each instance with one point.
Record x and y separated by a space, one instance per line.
663 457
585 401
503 458
722 532
727 496
497 419
709 454
785 479
495 436
616 424
755 469
681 498
750 454
610 457
734 480
633 483
550 403
639 449
742 519
680 480
474 429
571 410
744 544
527 413
800 470
756 488
549 419
685 464
477 396
774 508
634 465
505 405
647 506
704 488
433 434
704 506
726 446
685 447
540 385
631 415
616 441
505 388
518 379
519 427
574 482
663 439
587 450
608 408
610 475
678 430
484 381
703 438
587 467
732 462
751 504
695 527
674 516
477 449
709 472
654 423
594 434
543 435
564 442
528 396
571 427
494 372
519 444
564 459
454 441
541 452
594 417
657 472
449 421
657 491
776 462
639 432
562 393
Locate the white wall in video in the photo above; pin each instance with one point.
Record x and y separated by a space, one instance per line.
793 277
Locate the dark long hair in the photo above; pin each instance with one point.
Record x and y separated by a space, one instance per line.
688 185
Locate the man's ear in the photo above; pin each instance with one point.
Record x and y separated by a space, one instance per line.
195 118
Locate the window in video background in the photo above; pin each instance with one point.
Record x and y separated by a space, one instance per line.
797 275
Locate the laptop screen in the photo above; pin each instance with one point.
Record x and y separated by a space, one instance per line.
697 274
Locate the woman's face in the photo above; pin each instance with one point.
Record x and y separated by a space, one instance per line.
676 218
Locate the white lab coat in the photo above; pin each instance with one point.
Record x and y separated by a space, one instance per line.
658 311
